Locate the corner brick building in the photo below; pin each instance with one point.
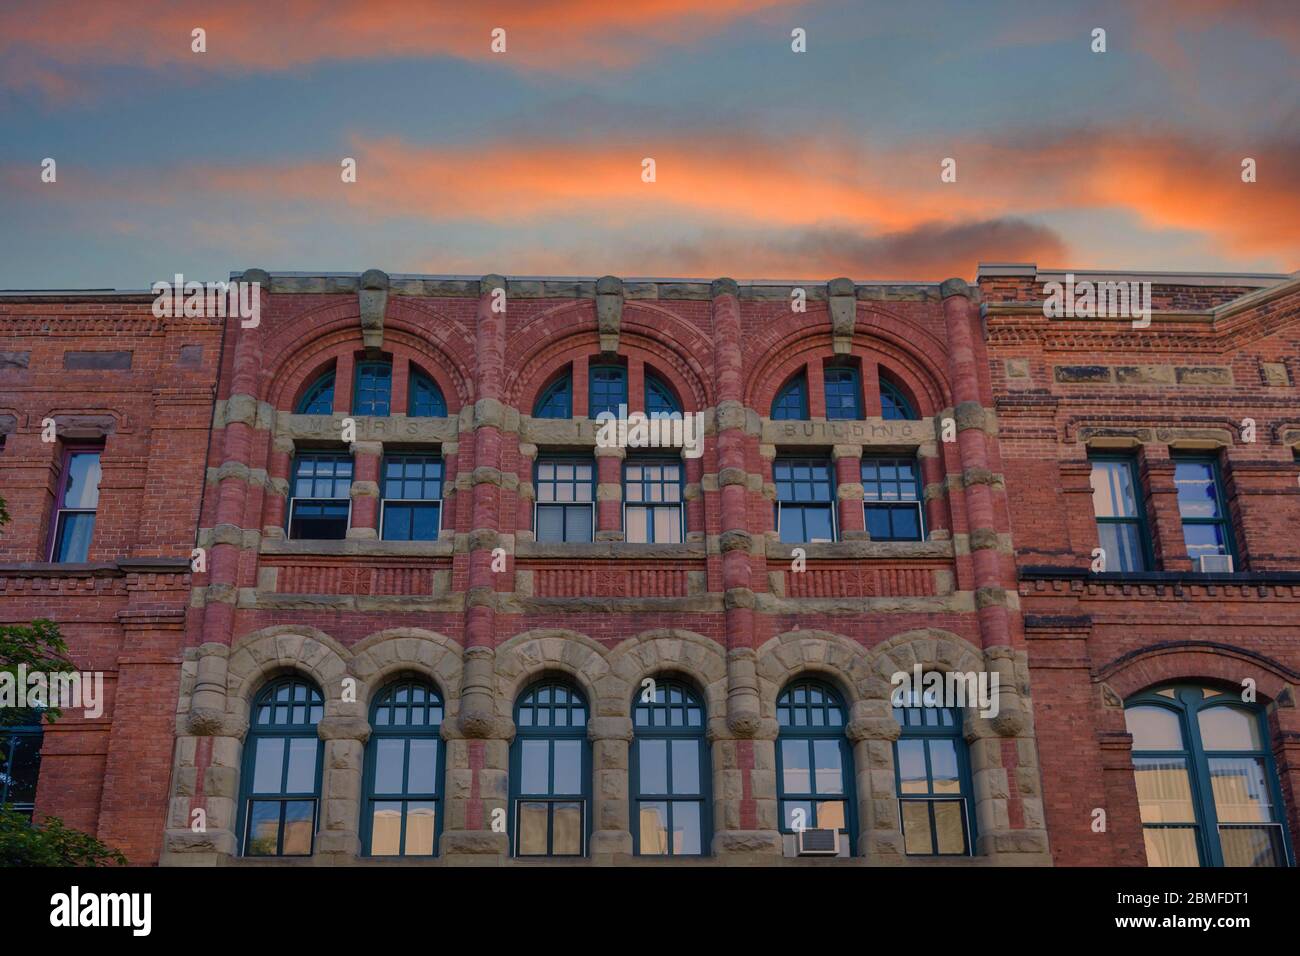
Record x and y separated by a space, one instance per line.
438 618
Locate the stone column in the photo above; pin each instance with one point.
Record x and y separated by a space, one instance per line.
344 739
849 492
366 456
872 730
610 739
279 473
609 494
474 824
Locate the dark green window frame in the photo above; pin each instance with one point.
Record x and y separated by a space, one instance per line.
894 405
797 496
810 711
1139 520
674 716
892 498
406 713
410 485
320 497
319 397
287 709
372 393
659 398
424 398
556 400
842 387
550 496
20 760
606 389
791 402
1187 702
1223 519
931 730
655 495
550 711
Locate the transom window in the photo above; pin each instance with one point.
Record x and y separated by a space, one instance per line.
76 507
1121 517
843 392
791 402
933 779
282 770
374 390
566 495
550 767
814 763
1207 788
652 500
670 771
892 500
1206 527
20 760
893 403
404 770
321 496
556 400
412 500
805 499
424 397
319 397
607 389
659 398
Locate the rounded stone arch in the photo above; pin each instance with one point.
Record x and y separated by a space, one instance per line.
934 649
840 661
283 648
1184 662
386 655
528 655
700 660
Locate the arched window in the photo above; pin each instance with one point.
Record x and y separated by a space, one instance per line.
606 389
319 397
21 736
278 810
893 403
1207 789
404 762
373 394
424 397
843 392
791 402
550 770
814 765
670 772
932 773
556 400
659 398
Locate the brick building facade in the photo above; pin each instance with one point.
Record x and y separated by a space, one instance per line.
406 501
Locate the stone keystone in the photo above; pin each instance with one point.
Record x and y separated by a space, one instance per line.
372 298
609 311
843 299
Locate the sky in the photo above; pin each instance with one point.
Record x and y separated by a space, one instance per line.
768 163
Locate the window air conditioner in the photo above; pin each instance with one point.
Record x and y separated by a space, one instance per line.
1216 563
817 843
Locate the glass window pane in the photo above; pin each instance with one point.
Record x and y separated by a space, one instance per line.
686 767
948 826
568 766
422 772
263 828
533 819
789 808
652 767
1252 846
652 818
1112 490
299 816
1171 846
686 828
795 772
943 767
916 827
829 765
302 765
82 481
386 829
550 523
1122 543
1229 728
911 766
668 526
818 526
534 766
74 536
1196 492
1241 791
566 836
1164 790
421 823
1154 728
637 532
577 525
830 815
268 765
389 756
1204 539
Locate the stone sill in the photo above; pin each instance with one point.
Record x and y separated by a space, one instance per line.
361 547
862 550
95 569
609 551
1049 572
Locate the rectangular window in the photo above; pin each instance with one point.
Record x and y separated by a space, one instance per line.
805 499
843 395
374 388
566 499
321 496
20 765
1121 515
74 511
412 497
892 500
652 501
607 389
1204 510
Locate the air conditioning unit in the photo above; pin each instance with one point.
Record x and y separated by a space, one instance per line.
817 843
1221 563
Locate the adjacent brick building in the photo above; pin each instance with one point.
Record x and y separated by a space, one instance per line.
437 612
